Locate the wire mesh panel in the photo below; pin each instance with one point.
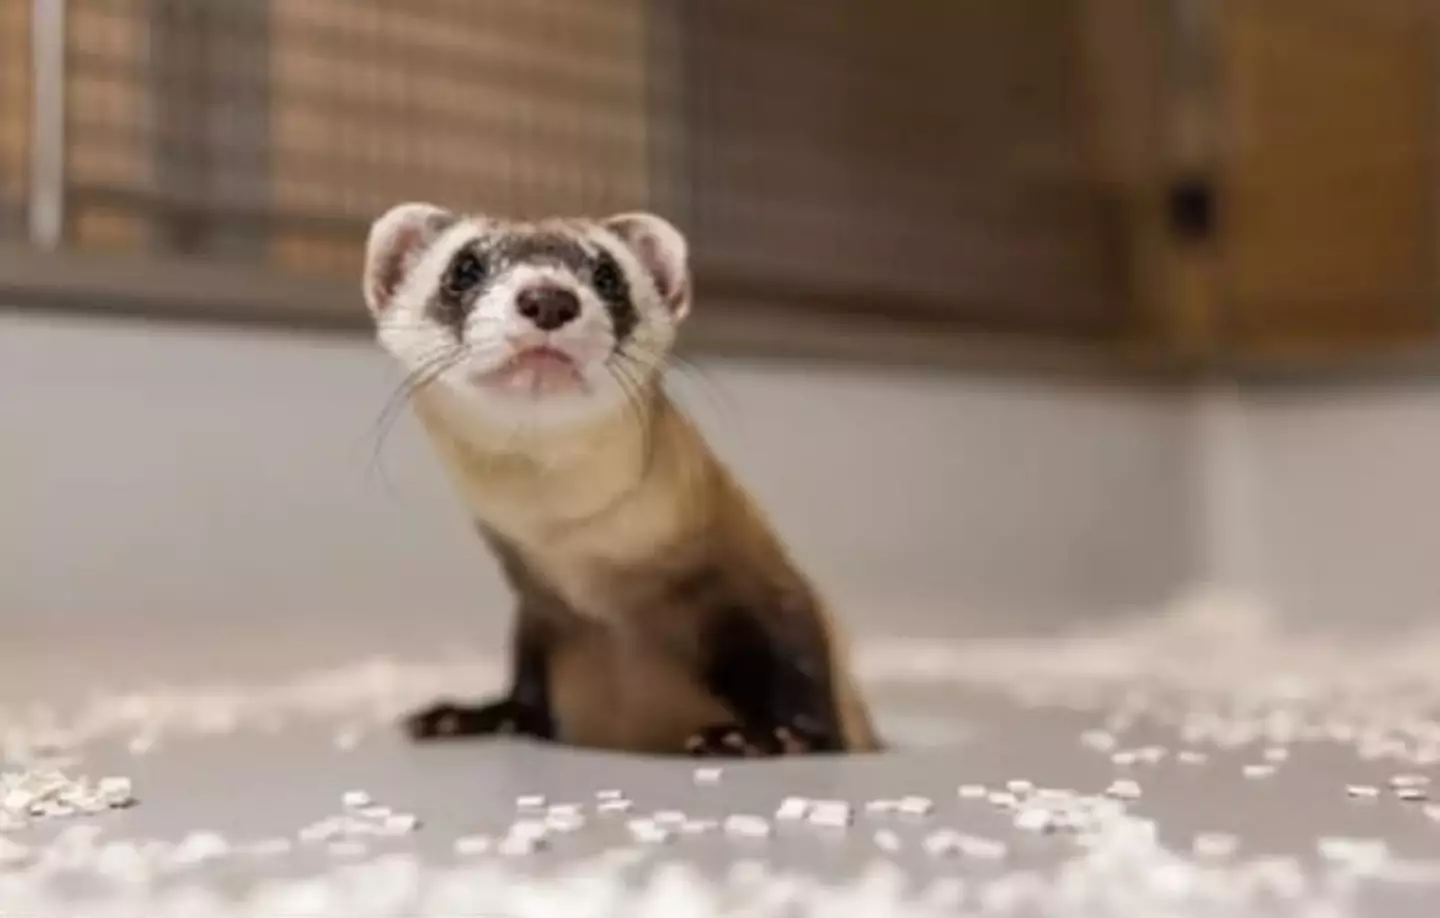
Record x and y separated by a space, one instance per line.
928 157
15 89
260 129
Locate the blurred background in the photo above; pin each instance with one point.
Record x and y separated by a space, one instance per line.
1013 313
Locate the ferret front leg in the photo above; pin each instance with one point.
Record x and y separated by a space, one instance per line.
523 711
775 676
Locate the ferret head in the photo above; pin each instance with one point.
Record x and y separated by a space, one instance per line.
540 323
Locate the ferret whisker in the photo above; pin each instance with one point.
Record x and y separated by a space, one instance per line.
692 371
645 368
429 369
632 389
398 396
714 392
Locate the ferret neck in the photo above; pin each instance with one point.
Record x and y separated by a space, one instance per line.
605 457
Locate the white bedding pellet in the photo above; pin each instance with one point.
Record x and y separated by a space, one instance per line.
915 806
1098 740
1214 845
355 799
322 831
115 792
1191 757
792 809
1123 790
668 817
881 807
530 802
943 843
18 800
647 832
1358 851
981 848
1257 771
888 840
747 826
528 828
52 809
1034 819
1124 757
973 792
1362 791
1408 780
563 823
1019 786
832 814
612 807
472 845
400 823
1412 793
1276 754
699 826
1003 799
521 845
708 775
1151 755
609 794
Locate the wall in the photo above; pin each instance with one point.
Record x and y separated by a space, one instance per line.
1344 500
217 486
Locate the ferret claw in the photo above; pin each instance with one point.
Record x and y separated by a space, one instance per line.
448 720
734 741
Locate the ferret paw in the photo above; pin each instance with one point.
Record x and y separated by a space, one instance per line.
732 741
447 720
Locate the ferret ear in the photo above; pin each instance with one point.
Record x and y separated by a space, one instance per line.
663 251
396 240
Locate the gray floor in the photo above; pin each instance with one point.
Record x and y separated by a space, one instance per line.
265 758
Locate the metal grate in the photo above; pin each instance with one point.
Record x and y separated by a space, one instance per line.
933 158
276 130
930 160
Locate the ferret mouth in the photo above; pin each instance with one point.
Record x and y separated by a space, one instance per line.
534 371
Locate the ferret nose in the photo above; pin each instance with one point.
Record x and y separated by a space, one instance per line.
548 306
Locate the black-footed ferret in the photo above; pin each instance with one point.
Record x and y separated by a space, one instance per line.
658 612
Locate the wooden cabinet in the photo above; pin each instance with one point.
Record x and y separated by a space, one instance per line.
1328 173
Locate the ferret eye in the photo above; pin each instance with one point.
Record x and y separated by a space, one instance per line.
466 273
608 280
